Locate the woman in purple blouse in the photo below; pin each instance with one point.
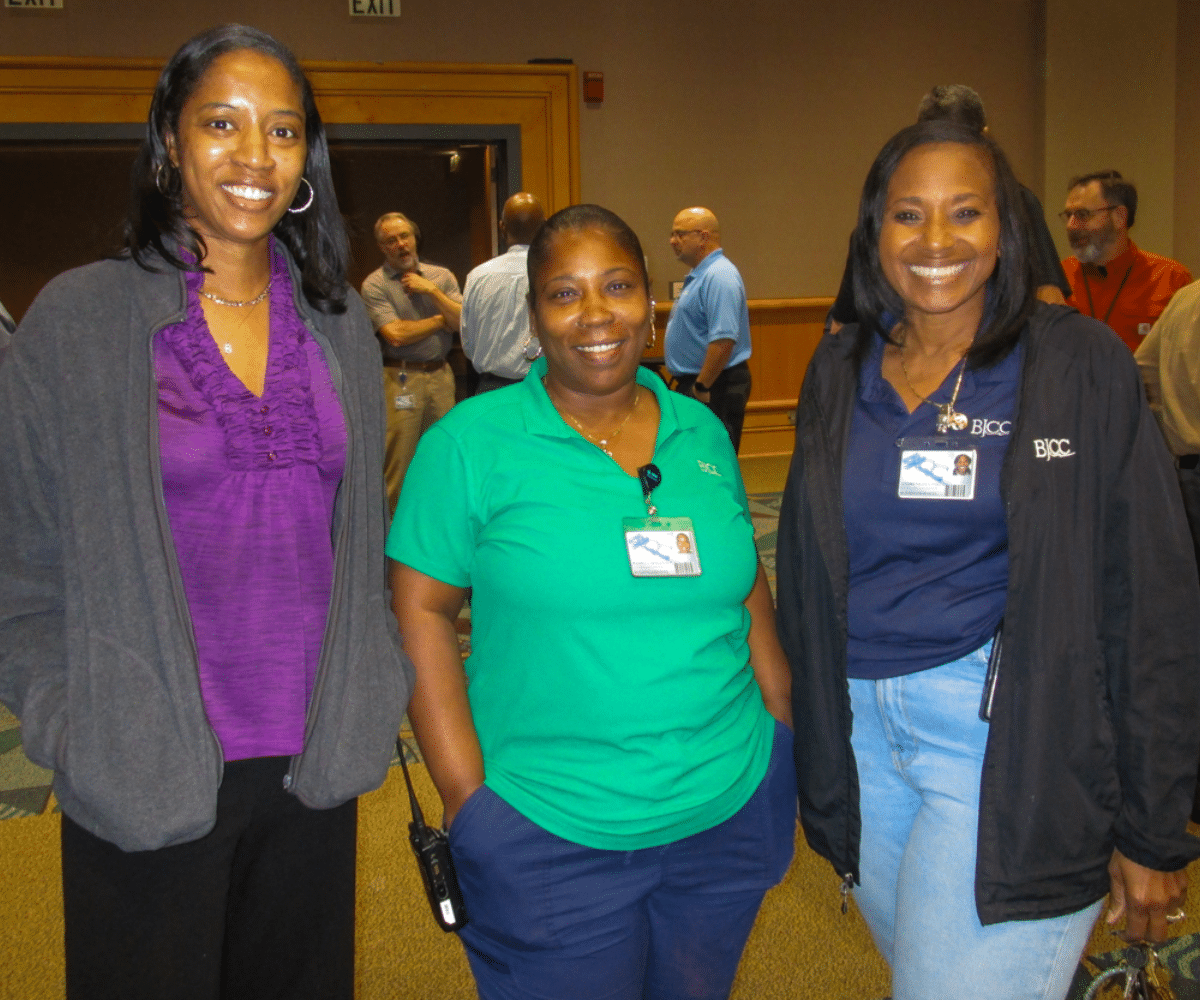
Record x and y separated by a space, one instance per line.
193 608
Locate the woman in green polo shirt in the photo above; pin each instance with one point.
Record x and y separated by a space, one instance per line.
615 760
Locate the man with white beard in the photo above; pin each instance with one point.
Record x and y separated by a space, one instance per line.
1111 278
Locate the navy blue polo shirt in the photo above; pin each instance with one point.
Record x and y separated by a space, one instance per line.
928 577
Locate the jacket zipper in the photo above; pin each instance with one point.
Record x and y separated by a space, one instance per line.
336 598
842 598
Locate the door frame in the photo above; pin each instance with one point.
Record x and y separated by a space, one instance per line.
436 100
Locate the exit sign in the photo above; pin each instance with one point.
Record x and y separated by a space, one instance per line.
35 4
374 8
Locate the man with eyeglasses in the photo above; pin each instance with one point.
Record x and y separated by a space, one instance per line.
416 308
708 333
1111 278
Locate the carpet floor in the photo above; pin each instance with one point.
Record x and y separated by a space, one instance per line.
801 946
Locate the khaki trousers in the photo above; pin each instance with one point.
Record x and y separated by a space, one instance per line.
414 401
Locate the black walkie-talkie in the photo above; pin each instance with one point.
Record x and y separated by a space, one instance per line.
433 859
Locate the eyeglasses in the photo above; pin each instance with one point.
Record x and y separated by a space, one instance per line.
1083 215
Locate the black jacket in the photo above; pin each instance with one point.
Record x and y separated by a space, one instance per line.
1095 727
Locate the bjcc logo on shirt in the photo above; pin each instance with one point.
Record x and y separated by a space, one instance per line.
1049 448
981 427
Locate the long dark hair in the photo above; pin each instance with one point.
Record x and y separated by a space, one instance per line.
315 237
1010 289
572 219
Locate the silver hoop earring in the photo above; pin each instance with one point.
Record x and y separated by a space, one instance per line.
533 347
311 195
164 187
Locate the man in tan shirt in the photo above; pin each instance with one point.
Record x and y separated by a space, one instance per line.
1169 359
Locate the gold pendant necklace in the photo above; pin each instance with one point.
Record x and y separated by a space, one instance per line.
606 443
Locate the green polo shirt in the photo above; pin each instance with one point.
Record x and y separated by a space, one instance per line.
616 712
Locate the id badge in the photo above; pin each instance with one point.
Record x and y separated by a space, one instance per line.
406 401
937 468
661 546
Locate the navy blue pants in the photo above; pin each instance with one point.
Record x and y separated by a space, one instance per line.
553 920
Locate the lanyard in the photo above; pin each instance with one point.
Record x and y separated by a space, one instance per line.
1088 288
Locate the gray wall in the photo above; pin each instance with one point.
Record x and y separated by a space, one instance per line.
767 111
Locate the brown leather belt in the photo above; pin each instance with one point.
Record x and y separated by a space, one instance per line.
416 366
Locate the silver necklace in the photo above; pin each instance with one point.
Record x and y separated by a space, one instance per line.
245 302
948 418
227 347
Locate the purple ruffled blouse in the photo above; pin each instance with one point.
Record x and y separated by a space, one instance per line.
249 484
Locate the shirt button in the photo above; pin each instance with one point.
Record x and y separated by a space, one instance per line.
264 409
270 456
267 430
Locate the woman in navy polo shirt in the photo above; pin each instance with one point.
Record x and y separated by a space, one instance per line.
984 595
617 776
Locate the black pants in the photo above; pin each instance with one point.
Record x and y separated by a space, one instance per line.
730 393
261 908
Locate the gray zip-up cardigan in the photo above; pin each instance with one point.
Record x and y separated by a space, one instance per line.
97 654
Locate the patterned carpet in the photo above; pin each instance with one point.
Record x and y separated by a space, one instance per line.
764 511
1179 958
25 787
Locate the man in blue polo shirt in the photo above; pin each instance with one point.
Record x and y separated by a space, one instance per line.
708 334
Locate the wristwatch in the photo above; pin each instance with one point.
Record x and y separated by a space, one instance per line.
700 387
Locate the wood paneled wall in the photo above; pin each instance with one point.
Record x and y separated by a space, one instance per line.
784 333
542 100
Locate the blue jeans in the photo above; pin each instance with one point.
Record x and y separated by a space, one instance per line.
919 744
558 921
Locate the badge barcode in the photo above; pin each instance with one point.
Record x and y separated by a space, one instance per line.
684 569
957 492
